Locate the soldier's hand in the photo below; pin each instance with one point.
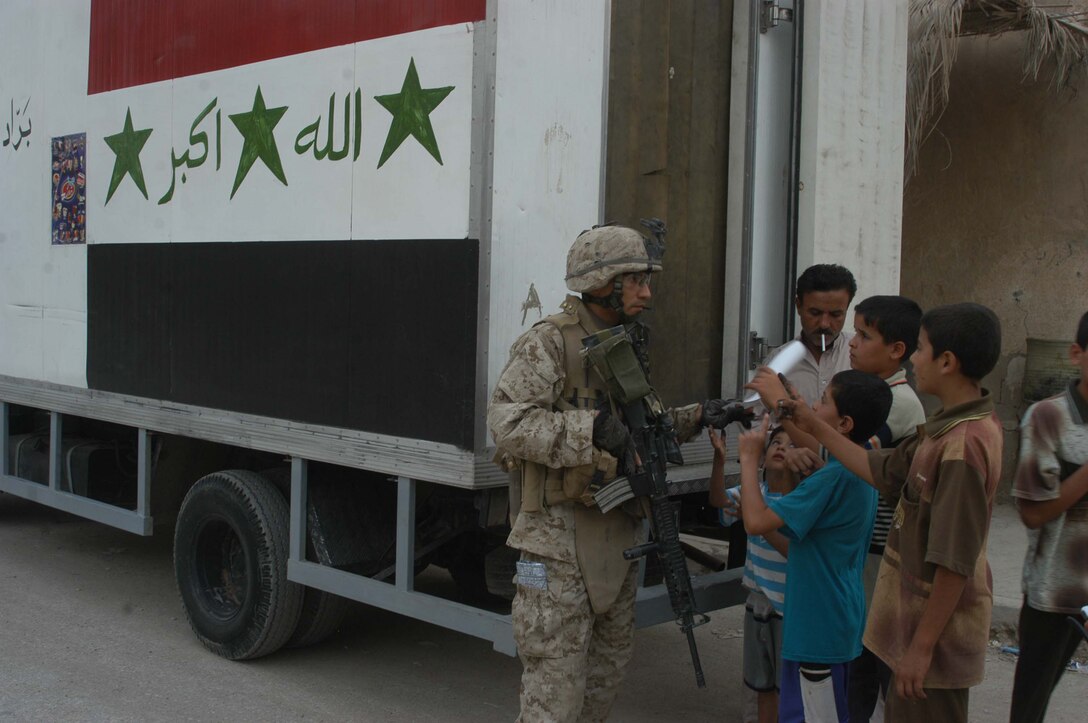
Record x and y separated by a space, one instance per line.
720 413
610 435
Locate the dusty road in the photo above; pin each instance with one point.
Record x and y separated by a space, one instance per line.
91 629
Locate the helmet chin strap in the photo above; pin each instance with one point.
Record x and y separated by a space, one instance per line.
613 301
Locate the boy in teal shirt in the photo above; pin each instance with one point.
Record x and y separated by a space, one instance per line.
828 520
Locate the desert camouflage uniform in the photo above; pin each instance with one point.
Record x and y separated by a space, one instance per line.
574 641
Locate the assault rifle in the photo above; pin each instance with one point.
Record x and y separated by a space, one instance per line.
653 445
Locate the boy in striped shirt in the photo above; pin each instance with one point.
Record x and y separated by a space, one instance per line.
764 570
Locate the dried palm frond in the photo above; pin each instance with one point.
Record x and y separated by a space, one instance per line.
1056 35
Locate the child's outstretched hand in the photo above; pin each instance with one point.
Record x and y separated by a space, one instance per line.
796 411
753 442
803 461
717 441
769 387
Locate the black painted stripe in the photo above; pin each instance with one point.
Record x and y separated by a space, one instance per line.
378 336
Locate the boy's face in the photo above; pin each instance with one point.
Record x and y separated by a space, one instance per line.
776 452
826 410
868 351
926 368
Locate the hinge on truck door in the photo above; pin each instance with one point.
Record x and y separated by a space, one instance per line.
771 13
757 349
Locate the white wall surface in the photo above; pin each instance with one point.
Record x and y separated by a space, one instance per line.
852 131
43 308
550 109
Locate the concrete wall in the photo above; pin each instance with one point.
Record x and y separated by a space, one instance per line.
998 212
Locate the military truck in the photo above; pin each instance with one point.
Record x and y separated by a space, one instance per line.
260 270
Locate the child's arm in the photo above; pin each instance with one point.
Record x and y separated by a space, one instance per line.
802 461
1040 492
718 498
911 672
758 518
778 541
1035 514
771 390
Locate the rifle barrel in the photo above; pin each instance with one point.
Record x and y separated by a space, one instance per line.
699 679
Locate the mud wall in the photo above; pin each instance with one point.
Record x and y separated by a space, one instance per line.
998 211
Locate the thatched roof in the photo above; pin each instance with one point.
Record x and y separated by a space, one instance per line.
1057 39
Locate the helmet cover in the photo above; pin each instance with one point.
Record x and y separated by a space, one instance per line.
602 253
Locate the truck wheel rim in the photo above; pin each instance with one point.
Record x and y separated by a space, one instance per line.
221 570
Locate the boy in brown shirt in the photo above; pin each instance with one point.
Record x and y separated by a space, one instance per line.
930 617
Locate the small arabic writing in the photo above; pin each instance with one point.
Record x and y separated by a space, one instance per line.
17 134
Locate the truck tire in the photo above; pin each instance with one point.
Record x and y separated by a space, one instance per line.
322 613
230 564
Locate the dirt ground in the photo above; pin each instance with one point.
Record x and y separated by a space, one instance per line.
93 630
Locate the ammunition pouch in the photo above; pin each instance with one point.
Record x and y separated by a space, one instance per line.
534 487
580 483
611 354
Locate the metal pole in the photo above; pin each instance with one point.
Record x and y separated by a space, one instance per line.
5 443
56 424
143 473
406 533
300 492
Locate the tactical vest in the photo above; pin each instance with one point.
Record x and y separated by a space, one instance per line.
542 486
600 539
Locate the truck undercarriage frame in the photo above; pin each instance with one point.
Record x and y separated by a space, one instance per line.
303 445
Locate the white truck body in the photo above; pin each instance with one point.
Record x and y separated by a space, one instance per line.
310 163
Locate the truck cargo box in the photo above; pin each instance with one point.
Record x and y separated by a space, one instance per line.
281 255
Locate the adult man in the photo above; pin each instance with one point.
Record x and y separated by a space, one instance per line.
553 421
824 293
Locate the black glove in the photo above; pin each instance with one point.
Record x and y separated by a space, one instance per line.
720 413
610 435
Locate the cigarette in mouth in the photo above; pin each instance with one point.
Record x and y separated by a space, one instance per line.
823 343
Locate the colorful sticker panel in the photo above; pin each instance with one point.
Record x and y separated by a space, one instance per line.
69 202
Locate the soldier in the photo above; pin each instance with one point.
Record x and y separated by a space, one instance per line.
556 428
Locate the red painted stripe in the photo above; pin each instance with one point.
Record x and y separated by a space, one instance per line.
143 41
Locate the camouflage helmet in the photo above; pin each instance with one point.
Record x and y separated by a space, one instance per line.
601 253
